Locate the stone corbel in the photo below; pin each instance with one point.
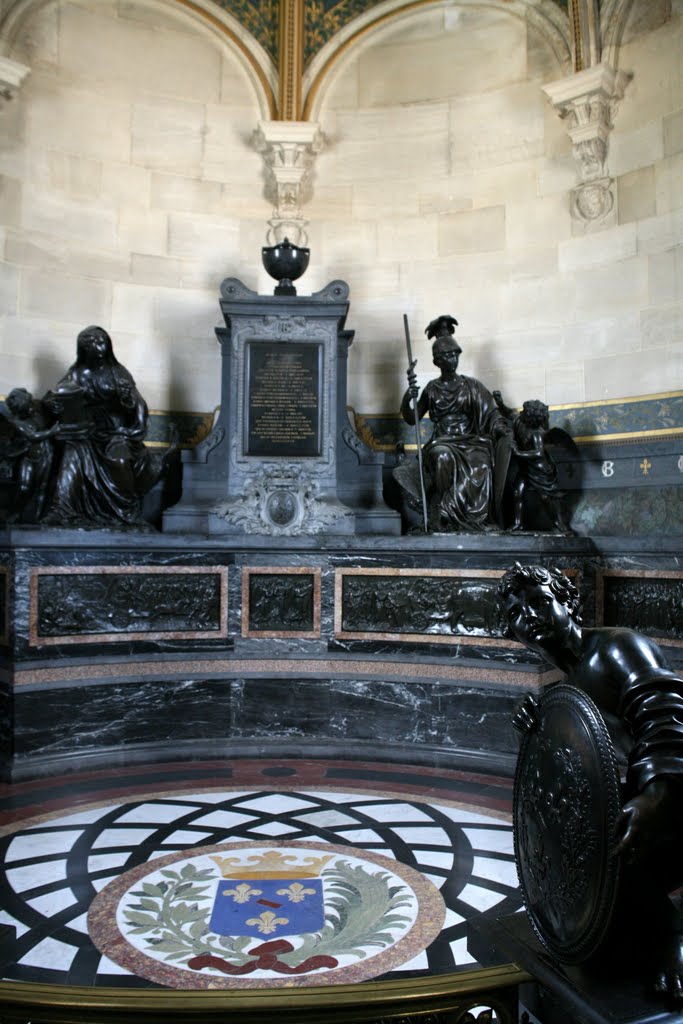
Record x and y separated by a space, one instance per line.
12 74
289 149
587 101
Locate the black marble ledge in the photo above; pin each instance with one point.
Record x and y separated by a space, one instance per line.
509 546
483 762
14 537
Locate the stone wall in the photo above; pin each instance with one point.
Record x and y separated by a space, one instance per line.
452 174
130 187
128 193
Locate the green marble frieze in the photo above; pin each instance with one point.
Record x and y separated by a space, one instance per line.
629 512
625 419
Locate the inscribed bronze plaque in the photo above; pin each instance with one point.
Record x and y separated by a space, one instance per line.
283 402
565 810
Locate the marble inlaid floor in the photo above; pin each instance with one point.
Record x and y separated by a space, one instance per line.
120 878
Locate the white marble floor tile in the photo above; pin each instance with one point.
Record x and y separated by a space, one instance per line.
102 861
160 812
437 880
224 819
394 812
183 837
326 819
276 803
80 923
490 839
452 918
52 903
124 836
478 898
461 954
360 835
463 816
26 878
85 817
50 951
6 918
108 966
41 845
273 828
495 870
434 859
416 836
100 883
383 850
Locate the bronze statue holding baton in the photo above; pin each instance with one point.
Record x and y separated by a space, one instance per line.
462 469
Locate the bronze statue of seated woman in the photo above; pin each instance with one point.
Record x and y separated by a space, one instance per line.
103 468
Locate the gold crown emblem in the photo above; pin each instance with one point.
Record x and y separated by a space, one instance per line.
272 864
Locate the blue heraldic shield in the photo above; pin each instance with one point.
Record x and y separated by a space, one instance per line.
268 907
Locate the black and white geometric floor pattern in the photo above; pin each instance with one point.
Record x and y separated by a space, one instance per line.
53 868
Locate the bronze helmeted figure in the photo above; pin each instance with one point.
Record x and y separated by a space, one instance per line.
465 459
629 857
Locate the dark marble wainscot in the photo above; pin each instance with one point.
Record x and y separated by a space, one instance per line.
341 646
90 592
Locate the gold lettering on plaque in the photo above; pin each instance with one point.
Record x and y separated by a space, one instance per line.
281 395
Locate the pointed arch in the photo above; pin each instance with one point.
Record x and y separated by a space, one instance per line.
545 15
613 18
203 16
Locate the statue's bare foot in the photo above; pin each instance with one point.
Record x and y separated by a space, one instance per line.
669 979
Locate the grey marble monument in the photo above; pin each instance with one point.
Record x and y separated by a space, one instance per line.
283 458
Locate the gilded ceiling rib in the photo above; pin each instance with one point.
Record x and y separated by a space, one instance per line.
291 59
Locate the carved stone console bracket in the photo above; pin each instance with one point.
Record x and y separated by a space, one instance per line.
12 74
289 149
588 101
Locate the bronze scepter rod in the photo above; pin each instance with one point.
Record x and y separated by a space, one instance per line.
417 429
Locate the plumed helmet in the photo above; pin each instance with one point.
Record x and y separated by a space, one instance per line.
442 330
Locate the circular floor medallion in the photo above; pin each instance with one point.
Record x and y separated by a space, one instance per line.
256 915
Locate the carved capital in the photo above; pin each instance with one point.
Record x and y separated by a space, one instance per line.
289 149
12 74
587 102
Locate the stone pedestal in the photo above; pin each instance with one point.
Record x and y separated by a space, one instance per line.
124 648
283 459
